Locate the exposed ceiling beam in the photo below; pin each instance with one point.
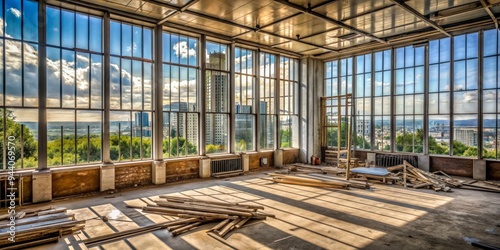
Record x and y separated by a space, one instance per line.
202 15
417 14
286 18
228 38
225 21
270 24
488 10
296 40
111 10
182 9
308 11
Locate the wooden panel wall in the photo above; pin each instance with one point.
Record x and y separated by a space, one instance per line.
493 170
182 170
255 159
290 156
130 175
75 182
452 166
27 188
361 155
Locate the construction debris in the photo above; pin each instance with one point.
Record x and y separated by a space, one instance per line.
230 215
311 181
37 227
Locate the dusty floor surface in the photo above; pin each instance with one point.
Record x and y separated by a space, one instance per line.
384 217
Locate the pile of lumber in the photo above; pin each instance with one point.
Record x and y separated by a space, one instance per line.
486 186
197 212
37 227
417 178
305 180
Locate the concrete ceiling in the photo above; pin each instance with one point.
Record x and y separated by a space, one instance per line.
308 27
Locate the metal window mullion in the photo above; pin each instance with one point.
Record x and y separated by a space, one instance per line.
452 91
277 101
157 92
425 149
76 136
392 98
202 97
231 99
256 65
42 88
106 86
480 93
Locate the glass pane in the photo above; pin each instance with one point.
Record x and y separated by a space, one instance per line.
114 38
68 29
126 40
95 24
68 84
244 132
30 75
83 80
137 41
115 79
217 133
53 23
439 135
147 44
96 81
82 31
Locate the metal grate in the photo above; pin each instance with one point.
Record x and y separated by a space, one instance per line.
225 165
389 160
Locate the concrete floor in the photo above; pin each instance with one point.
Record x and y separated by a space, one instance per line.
384 217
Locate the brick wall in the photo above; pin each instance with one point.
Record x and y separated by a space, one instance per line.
130 175
75 182
182 170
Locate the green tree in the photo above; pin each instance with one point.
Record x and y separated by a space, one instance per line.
13 130
177 147
286 138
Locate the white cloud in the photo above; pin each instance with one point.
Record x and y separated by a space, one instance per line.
15 12
182 50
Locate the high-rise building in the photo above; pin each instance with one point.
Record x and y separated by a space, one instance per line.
141 124
467 136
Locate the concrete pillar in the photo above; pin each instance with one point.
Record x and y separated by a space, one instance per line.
107 176
371 158
424 162
42 185
479 170
278 158
205 167
245 160
158 172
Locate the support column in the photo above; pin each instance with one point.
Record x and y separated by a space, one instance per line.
315 91
479 170
205 171
257 101
107 169
42 89
158 169
232 111
424 162
202 90
277 137
303 111
42 185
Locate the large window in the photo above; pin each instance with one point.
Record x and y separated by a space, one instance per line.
382 100
180 100
217 98
491 94
18 84
439 96
289 112
131 96
363 101
409 99
74 87
244 99
267 100
465 95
